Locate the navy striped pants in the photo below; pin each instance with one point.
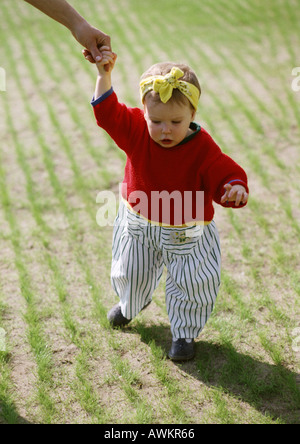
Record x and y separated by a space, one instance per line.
193 261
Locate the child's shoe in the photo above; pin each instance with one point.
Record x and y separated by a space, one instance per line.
115 317
182 350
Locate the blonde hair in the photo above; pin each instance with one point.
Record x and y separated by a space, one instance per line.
163 68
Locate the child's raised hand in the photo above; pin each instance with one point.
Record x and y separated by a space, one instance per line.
108 60
105 67
235 193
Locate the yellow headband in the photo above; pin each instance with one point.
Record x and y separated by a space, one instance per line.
164 85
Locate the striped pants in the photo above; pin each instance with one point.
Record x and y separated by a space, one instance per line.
193 261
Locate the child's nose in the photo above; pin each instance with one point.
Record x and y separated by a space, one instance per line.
166 129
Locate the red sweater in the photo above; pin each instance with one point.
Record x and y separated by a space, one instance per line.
162 183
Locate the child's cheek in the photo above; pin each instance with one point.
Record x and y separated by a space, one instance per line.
154 132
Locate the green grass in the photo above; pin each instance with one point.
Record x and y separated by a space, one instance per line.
62 362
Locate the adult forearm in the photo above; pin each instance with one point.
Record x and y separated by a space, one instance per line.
89 37
61 11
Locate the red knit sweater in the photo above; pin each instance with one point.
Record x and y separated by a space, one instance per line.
162 183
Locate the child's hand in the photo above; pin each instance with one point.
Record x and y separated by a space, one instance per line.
108 61
104 62
105 67
235 193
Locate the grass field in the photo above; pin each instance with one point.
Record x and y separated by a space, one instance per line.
60 362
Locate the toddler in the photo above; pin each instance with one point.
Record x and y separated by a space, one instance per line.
174 172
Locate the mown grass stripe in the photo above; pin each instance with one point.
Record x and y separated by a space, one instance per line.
70 325
35 333
8 409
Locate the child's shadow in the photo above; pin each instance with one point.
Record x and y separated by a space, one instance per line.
271 389
9 414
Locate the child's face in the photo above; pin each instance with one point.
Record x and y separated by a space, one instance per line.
168 123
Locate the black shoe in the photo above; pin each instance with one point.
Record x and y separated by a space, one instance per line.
115 317
182 350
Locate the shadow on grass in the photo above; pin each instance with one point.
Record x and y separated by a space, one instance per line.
9 414
270 389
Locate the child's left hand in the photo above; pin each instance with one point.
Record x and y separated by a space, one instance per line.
235 193
107 62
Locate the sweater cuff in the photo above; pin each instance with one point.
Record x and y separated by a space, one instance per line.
100 99
239 182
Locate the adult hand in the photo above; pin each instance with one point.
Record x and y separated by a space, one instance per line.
89 37
89 56
92 39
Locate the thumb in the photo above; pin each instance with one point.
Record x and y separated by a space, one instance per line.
96 54
225 196
227 187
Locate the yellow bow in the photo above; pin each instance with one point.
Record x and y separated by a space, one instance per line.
164 85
